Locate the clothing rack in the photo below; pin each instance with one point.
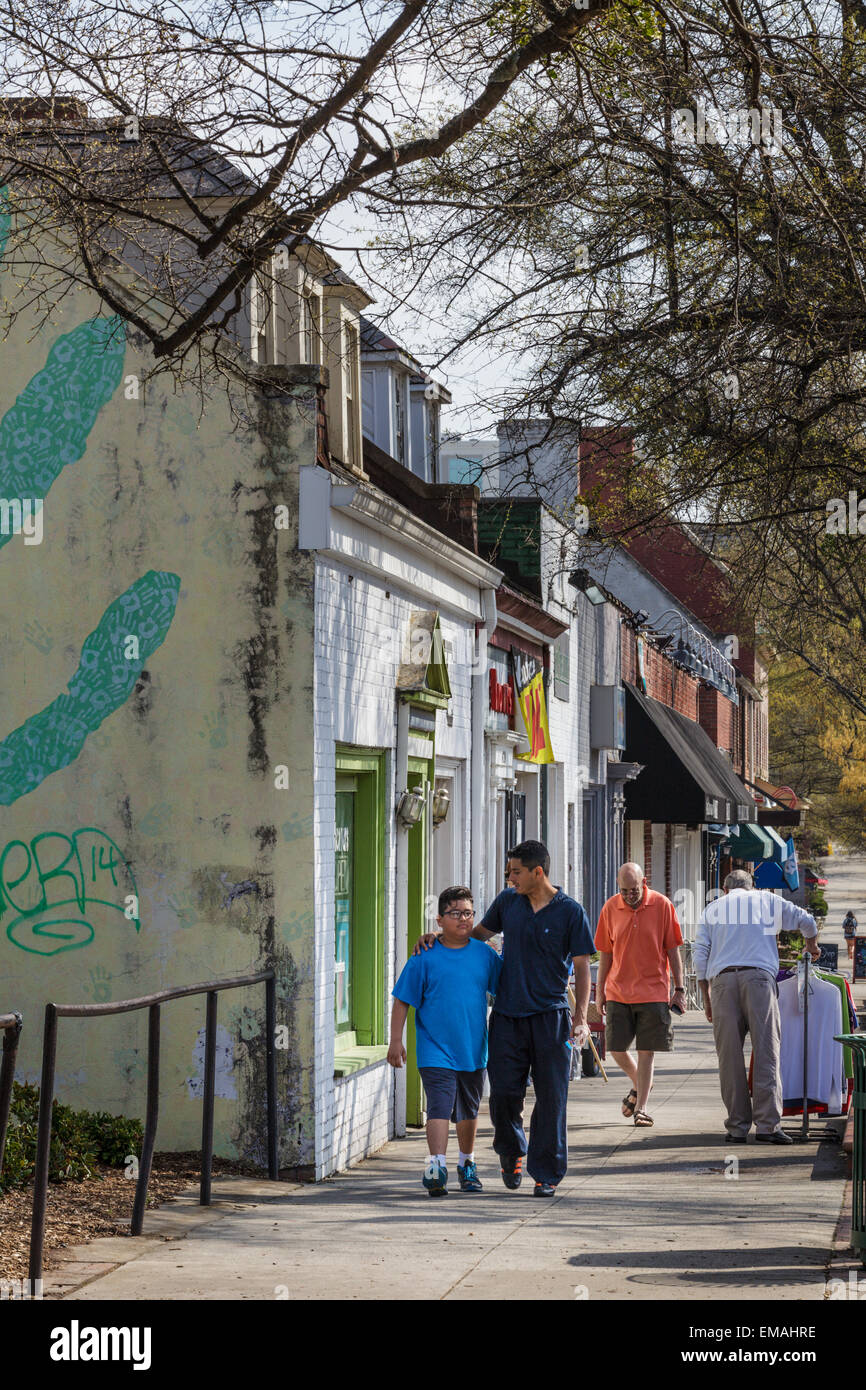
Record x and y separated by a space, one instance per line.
802 1135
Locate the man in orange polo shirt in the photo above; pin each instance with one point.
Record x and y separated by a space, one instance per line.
638 938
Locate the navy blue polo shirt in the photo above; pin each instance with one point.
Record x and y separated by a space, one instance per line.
537 948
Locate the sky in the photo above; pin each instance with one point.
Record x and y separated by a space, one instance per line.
473 378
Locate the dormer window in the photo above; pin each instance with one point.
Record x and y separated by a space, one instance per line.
261 319
432 439
400 418
311 328
351 367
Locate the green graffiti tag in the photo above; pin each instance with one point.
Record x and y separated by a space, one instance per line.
54 737
47 427
66 877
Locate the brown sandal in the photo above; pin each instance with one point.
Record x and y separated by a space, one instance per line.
628 1104
642 1119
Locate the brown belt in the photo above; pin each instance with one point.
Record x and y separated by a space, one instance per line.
731 969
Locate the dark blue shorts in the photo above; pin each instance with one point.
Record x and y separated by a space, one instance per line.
452 1095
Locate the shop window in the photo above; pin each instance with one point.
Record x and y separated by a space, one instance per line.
359 929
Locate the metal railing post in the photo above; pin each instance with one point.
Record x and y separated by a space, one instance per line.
271 1025
43 1143
209 1085
11 1034
152 1002
150 1122
857 1044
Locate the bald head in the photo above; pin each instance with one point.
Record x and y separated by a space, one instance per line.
630 879
630 876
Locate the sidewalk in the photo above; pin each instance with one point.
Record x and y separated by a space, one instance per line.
642 1214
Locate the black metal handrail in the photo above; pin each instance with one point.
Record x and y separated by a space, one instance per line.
12 1025
153 1003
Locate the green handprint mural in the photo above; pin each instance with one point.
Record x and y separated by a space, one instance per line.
48 425
54 737
45 430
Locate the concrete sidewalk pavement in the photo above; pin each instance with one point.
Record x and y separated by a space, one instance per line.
667 1212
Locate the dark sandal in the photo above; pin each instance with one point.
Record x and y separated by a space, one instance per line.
628 1104
642 1119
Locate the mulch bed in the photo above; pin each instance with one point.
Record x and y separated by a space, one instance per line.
99 1206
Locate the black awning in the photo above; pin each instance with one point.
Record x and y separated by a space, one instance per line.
686 780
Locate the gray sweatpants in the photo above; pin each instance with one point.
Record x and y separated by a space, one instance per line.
746 1001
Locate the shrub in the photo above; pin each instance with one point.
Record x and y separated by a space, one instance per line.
791 945
113 1136
80 1140
818 903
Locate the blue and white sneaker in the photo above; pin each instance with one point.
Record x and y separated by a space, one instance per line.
468 1178
435 1178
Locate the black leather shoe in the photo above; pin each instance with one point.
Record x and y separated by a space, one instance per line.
736 1138
512 1171
777 1137
544 1189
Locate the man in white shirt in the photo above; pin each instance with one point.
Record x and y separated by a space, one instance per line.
736 962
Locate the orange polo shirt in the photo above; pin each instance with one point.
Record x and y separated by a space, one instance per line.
638 939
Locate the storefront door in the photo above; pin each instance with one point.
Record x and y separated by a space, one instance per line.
515 820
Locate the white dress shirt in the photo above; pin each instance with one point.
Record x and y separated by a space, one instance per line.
741 929
826 1064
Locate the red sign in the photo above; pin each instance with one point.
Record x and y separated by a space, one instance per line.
501 696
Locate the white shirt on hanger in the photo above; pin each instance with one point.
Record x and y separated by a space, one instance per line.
826 1074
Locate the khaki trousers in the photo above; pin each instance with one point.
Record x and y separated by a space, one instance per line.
746 1001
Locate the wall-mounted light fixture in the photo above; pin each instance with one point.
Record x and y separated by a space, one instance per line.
410 808
441 802
582 579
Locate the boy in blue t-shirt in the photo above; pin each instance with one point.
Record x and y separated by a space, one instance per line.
448 988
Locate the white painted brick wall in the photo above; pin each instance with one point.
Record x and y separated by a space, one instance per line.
358 648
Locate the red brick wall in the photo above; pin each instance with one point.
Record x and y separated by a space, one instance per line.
717 718
648 851
665 682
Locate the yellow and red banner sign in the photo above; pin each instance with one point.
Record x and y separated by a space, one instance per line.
529 684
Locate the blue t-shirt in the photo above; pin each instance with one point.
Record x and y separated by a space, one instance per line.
536 950
448 988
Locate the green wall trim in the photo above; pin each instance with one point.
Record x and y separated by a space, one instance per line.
359 759
429 698
352 1060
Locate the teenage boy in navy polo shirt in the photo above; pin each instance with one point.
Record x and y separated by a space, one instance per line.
531 1025
448 988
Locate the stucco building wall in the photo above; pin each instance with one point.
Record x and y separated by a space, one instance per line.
146 836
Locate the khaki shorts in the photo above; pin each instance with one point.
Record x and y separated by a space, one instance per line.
647 1025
